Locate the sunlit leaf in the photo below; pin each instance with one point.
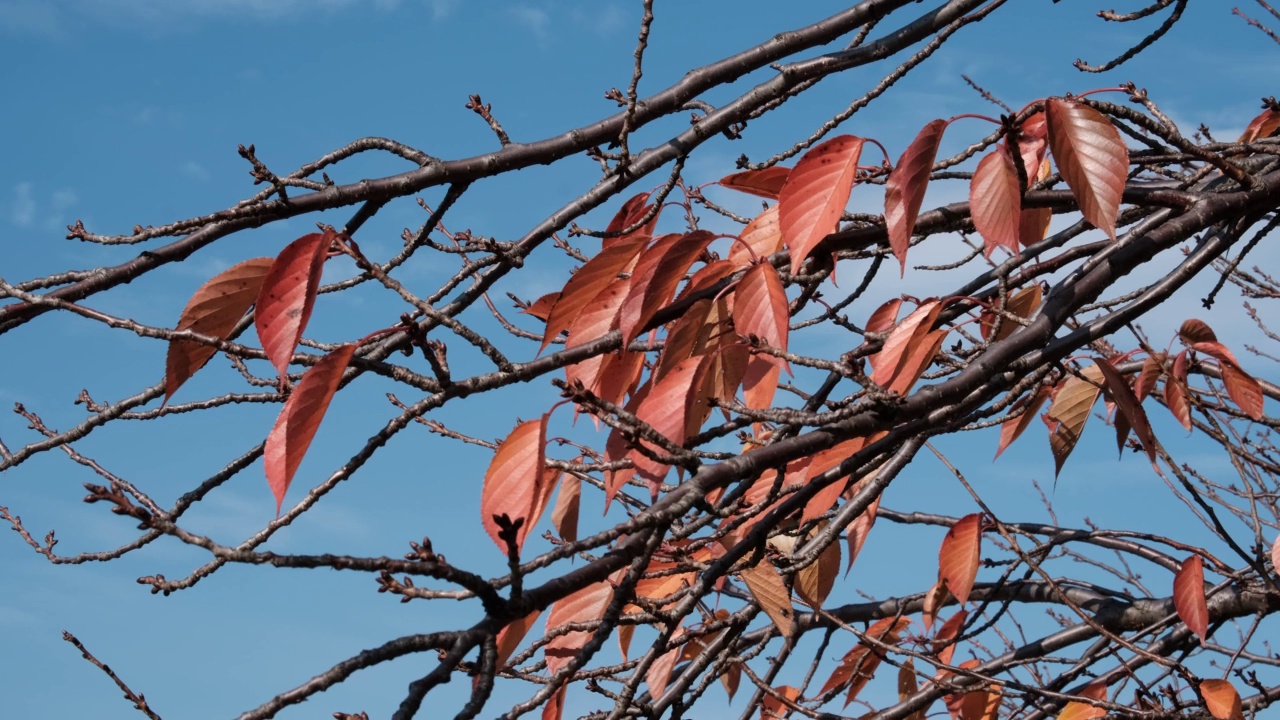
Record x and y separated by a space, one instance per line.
760 309
960 554
510 636
513 482
995 201
859 665
1070 411
902 340
631 212
761 238
943 644
565 514
287 296
1261 126
773 708
653 283
584 606
905 188
1091 157
814 581
1189 599
1011 429
771 593
766 183
1221 699
598 272
815 194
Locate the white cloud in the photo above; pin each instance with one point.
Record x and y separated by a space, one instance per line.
195 171
536 20
52 17
440 9
22 208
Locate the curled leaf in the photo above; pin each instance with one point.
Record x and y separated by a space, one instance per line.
904 190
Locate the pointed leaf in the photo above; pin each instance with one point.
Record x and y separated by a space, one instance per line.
902 341
585 605
1020 304
1033 141
918 358
565 514
815 194
1175 391
884 317
960 554
1244 390
592 323
1092 158
660 670
541 308
1195 331
858 530
772 708
766 183
1070 411
300 418
510 636
1261 126
995 200
1221 699
1152 369
1033 223
1189 599
598 272
1129 405
513 481
554 709
288 295
859 664
629 214
761 238
656 276
760 382
760 309
1012 428
771 594
213 310
943 644
815 580
904 190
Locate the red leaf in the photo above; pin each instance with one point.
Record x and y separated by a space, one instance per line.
860 663
766 183
1175 391
1092 158
660 671
884 317
902 342
904 190
1194 331
1189 599
1261 126
772 708
287 296
300 418
1012 428
760 309
510 636
760 382
1152 369
814 581
858 530
598 273
943 644
761 238
541 308
213 310
592 323
1245 392
815 194
1033 137
960 554
513 482
1129 406
1221 699
583 606
654 280
1033 224
565 514
1021 304
554 709
914 363
708 275
630 214
665 409
996 201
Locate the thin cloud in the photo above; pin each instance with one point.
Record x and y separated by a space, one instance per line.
195 171
22 207
536 20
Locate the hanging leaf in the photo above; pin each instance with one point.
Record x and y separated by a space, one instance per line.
856 533
918 359
708 275
761 238
960 554
554 709
1152 369
1092 158
815 194
592 323
1033 141
685 338
510 636
766 183
1275 555
1011 429
1188 596
565 514
654 280
1175 391
1261 126
859 665
213 310
298 421
731 678
1221 699
1033 223
815 580
1244 390
760 309
631 212
760 382
1131 408
995 201
660 670
513 482
584 606
596 274
884 317
934 599
902 341
771 594
288 295
904 190
1070 411
944 644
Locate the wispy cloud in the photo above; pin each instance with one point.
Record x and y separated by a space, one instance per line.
195 171
536 20
440 9
22 205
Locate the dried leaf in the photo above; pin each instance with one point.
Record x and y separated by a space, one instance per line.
1020 304
660 670
1195 331
513 482
288 295
995 201
859 665
766 183
213 310
1221 699
943 644
1131 408
1092 158
814 582
857 531
298 421
771 593
1189 599
960 554
1152 369
1070 411
905 188
565 514
815 194
1011 429
761 238
773 708
760 309
1261 126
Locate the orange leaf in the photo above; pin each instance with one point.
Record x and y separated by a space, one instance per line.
1021 304
513 482
685 338
565 514
541 307
1261 126
1069 413
771 594
760 309
593 322
904 190
885 316
1221 699
1175 390
814 581
960 554
1188 596
760 382
761 238
708 275
585 605
629 214
917 360
1092 158
856 533
596 274
654 280
666 409
1245 392
815 194
902 341
1076 710
510 636
660 670
1033 223
300 418
943 644
1012 428
995 200
213 310
859 665
288 295
771 708
554 709
1033 137
766 183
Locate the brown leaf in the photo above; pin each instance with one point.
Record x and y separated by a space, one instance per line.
902 341
814 581
760 309
541 307
1092 158
771 594
288 295
1152 369
943 644
1221 699
1011 429
513 482
660 670
859 665
1188 596
565 514
772 708
1033 140
960 554
1245 391
1175 391
554 709
904 190
1261 126
761 238
859 528
629 214
1033 223
596 274
766 183
1129 405
1021 304
815 194
995 201
1195 331
1070 411
298 421
213 310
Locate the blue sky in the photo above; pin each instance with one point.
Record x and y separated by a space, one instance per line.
125 112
